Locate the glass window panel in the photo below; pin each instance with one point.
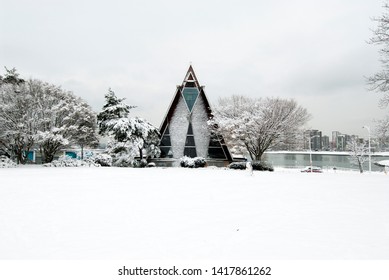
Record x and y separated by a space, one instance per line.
166 152
190 141
214 142
215 152
165 141
190 130
167 130
190 96
190 152
190 84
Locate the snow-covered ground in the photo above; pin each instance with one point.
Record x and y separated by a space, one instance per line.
177 213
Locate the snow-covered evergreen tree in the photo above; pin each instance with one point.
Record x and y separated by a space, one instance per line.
130 136
146 137
113 122
114 111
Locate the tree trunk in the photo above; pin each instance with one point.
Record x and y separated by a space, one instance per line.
47 156
21 148
360 166
21 155
48 152
258 157
141 153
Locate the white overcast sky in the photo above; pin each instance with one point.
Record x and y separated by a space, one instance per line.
314 51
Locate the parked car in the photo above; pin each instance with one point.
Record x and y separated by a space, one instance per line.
315 169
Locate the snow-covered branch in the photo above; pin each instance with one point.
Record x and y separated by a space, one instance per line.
255 125
358 152
130 136
34 113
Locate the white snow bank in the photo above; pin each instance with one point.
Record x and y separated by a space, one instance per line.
179 213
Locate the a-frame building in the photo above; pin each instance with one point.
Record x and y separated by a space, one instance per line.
184 129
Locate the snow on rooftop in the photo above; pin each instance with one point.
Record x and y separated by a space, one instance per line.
382 163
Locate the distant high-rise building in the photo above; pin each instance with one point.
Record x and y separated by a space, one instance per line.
334 142
315 138
341 143
325 140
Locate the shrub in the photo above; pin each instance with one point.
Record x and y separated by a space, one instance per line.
5 162
89 162
103 160
237 165
66 161
200 162
122 159
262 166
192 162
139 163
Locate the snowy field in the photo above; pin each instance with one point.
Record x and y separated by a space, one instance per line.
177 213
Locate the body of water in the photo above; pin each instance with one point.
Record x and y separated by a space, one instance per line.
323 160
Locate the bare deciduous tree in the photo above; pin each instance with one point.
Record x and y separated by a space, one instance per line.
34 114
257 124
17 123
380 80
358 153
382 132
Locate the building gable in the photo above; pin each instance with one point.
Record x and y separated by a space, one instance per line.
184 129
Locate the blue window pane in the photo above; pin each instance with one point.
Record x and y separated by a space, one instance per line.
30 155
190 96
71 154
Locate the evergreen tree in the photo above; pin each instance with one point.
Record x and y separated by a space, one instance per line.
114 109
147 137
131 136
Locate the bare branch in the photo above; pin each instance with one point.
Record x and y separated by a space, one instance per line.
255 125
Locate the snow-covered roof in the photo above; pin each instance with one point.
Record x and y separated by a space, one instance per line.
382 163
